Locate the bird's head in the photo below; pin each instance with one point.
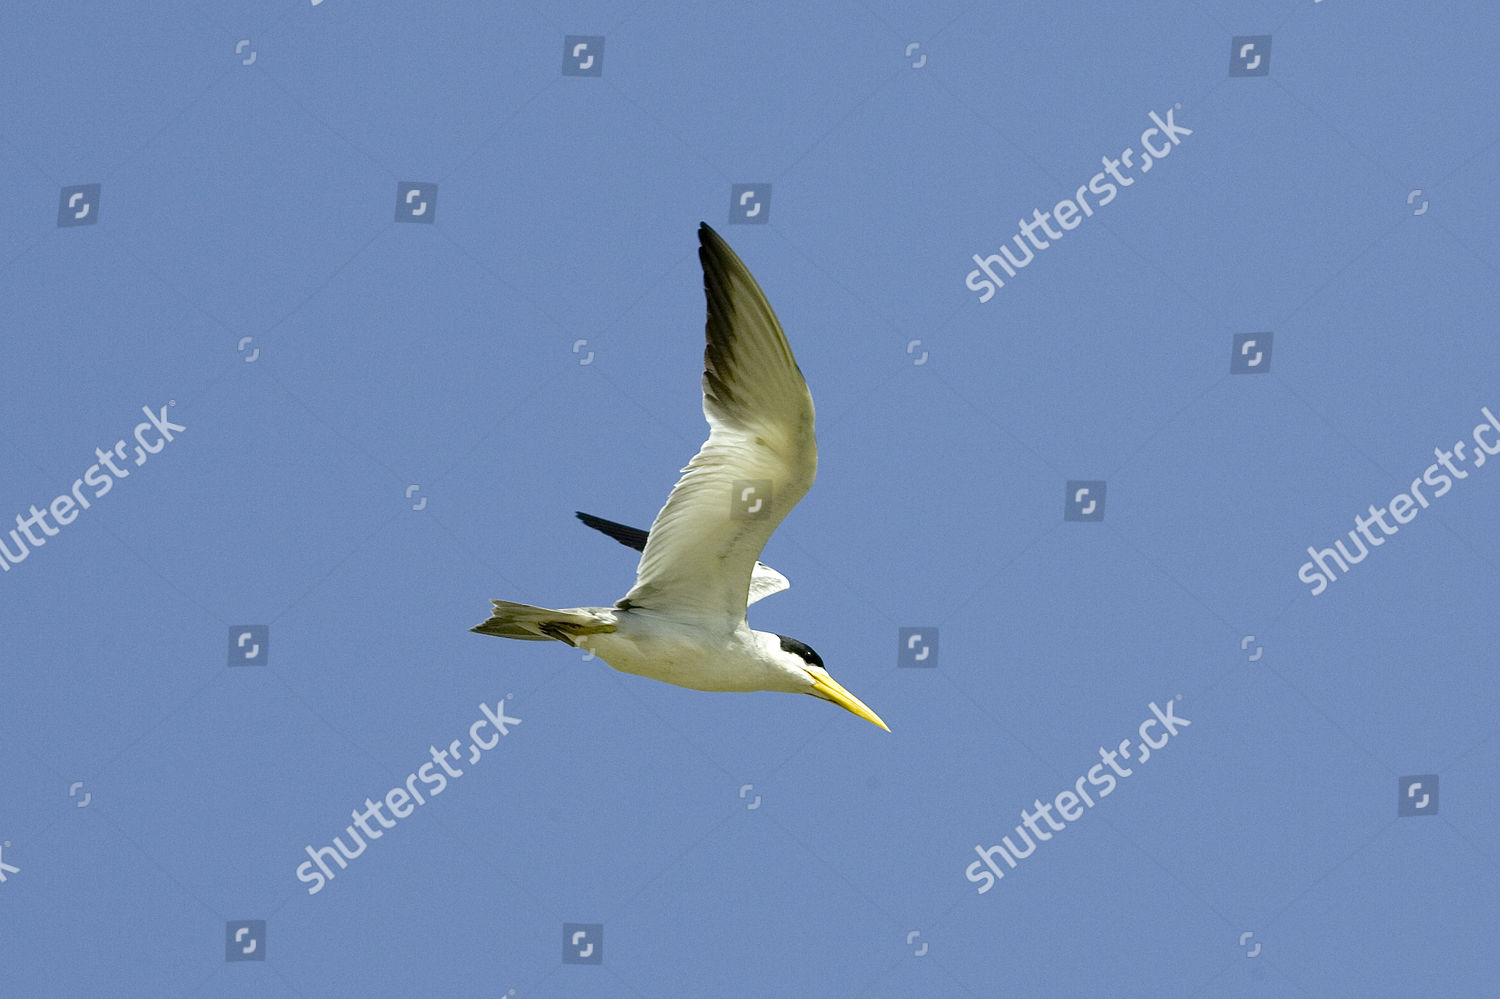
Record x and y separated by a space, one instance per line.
800 659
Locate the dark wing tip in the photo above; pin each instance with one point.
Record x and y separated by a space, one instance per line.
722 267
709 240
743 339
630 537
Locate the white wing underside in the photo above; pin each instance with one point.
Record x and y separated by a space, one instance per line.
765 581
700 560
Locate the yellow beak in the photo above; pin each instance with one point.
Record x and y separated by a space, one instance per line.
829 689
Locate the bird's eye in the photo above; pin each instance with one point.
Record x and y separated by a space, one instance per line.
801 649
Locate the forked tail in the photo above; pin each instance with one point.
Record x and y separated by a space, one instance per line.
540 624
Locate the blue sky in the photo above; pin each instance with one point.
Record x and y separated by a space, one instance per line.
388 406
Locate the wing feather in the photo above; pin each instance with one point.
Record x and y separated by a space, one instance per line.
764 580
703 546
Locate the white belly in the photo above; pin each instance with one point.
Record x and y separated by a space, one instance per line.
647 645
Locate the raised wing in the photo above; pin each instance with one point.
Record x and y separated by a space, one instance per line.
764 580
760 458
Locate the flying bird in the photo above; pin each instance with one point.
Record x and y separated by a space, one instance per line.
683 621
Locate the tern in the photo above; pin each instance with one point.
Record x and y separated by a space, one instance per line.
683 622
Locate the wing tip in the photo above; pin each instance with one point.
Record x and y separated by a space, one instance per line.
710 240
630 537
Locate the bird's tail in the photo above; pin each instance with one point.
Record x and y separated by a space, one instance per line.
540 624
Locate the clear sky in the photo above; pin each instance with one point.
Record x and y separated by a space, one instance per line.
374 297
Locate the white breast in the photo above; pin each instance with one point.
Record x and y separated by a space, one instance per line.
649 645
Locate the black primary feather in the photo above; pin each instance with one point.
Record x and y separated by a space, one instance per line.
630 537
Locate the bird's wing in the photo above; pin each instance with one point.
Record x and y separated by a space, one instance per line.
760 457
764 580
630 537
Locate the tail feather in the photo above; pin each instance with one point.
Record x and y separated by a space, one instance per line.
542 624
